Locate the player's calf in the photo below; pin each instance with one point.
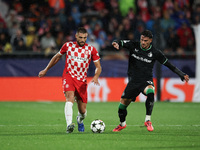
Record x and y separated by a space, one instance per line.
150 101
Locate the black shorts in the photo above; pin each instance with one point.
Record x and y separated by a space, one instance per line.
133 89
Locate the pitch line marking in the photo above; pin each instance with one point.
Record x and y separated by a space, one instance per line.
32 125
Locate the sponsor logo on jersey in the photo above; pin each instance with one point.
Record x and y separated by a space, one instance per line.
136 50
78 58
141 58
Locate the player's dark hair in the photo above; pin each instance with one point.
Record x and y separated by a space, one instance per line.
147 33
81 30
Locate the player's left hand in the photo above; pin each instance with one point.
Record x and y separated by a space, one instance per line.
186 78
95 81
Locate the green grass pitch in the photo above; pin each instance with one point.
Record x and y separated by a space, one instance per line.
41 126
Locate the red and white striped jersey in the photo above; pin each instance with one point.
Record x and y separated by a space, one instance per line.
78 59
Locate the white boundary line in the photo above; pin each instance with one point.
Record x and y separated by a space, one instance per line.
32 125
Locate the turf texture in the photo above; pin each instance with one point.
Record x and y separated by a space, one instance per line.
41 126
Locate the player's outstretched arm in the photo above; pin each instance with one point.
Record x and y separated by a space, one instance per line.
182 75
51 63
97 72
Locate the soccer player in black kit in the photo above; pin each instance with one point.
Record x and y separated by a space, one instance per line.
142 57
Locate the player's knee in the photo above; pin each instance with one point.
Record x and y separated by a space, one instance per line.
69 95
149 90
68 99
150 94
125 101
122 106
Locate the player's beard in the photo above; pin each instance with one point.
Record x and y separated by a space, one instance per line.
145 46
81 43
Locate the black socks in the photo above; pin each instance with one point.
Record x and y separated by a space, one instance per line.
122 112
149 103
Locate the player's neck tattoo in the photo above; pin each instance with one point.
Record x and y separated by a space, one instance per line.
145 49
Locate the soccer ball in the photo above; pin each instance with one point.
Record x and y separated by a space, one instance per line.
97 126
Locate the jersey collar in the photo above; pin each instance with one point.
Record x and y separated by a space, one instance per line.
145 49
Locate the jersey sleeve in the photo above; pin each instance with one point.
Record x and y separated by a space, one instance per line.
161 57
127 44
95 55
63 49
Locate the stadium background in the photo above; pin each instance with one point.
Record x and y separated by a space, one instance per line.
33 31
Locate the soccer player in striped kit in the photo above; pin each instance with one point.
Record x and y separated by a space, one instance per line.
78 57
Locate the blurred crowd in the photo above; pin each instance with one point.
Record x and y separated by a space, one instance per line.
44 26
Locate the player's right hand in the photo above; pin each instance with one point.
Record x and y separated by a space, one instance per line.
115 45
42 73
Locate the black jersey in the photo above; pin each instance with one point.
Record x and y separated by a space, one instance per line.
141 61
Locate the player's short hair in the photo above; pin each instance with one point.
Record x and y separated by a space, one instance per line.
81 30
147 33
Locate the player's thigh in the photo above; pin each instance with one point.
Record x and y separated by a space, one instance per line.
68 83
68 87
69 95
131 91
